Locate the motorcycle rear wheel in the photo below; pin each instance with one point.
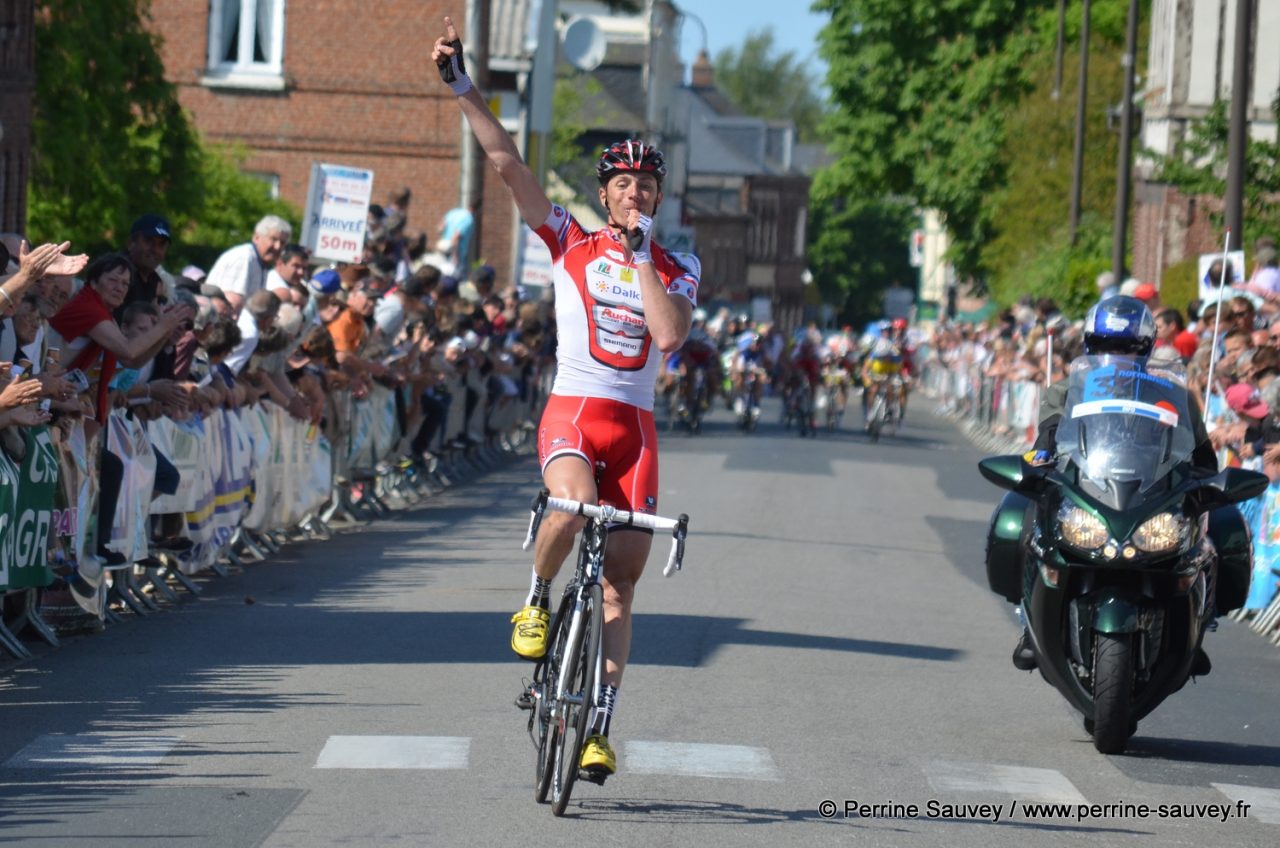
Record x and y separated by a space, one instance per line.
1112 691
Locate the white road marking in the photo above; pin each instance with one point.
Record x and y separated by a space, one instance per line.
692 759
1264 804
60 750
1030 784
395 752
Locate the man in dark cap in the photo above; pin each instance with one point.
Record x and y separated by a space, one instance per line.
149 239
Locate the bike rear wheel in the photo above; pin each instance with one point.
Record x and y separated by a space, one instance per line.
579 669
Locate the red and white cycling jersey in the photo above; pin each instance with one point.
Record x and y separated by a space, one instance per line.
604 349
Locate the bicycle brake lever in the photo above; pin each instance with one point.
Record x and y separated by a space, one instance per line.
675 562
536 509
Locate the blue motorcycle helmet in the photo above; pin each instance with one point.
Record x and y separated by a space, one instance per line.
1119 325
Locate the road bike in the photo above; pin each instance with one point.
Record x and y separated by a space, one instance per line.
885 409
566 681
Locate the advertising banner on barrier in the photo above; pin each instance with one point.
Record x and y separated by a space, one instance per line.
8 515
130 533
333 226
27 521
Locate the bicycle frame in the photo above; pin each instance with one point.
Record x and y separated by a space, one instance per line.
572 696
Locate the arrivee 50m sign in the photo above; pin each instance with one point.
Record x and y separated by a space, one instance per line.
337 212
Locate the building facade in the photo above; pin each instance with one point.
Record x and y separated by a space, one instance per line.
343 82
1190 63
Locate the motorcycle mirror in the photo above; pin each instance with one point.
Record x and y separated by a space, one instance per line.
1012 472
1229 486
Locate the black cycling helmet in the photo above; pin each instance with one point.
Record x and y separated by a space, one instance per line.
1121 325
631 155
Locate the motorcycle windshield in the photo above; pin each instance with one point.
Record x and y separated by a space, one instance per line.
1126 419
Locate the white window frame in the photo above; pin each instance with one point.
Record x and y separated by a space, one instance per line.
244 72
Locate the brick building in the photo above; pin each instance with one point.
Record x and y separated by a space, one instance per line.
17 86
345 82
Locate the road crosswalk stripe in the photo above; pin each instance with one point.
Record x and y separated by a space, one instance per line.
690 759
395 752
1031 784
108 750
1264 804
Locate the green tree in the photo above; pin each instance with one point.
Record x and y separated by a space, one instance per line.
111 140
857 246
921 90
1029 251
772 86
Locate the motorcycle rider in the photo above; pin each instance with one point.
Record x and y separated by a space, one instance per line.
1121 326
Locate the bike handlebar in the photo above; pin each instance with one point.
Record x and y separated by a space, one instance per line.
679 527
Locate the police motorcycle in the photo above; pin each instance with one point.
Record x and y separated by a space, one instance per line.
1122 552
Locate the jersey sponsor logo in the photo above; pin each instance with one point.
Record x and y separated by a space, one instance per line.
621 346
685 287
619 321
615 256
616 294
603 267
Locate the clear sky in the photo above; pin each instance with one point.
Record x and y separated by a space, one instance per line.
728 22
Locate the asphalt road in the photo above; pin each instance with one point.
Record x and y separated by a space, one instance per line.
831 639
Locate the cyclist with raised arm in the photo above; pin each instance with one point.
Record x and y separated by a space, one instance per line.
621 301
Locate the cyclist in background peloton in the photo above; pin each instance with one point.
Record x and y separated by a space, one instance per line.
889 357
620 301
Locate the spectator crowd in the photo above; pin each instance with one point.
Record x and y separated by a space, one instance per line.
113 370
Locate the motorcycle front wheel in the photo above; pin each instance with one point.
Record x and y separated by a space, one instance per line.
1112 691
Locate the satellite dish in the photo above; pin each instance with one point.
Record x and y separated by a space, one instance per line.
583 43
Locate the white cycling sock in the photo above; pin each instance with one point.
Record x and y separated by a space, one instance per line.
539 592
604 709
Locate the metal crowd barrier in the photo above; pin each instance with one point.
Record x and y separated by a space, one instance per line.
253 479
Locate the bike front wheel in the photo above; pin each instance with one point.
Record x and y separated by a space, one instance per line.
546 730
580 666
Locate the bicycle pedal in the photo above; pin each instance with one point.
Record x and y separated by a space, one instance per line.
594 775
525 700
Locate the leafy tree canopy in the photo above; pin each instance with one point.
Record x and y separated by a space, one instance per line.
921 90
111 140
770 85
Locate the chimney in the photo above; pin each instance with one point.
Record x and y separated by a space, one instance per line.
704 76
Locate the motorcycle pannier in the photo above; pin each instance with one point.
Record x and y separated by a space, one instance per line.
1004 547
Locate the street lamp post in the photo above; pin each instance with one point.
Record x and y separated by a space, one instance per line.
1082 96
1237 132
1123 167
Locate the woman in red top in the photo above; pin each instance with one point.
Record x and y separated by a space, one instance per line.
93 343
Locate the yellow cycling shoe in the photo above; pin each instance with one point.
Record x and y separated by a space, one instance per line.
529 637
597 756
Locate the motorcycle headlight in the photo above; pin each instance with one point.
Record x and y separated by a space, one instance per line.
1081 528
1164 532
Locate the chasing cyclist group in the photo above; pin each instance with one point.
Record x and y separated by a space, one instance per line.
814 373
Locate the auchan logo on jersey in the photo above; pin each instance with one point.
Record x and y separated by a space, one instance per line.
620 320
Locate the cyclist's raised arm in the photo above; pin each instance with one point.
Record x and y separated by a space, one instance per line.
529 197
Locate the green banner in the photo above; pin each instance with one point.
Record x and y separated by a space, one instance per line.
27 495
